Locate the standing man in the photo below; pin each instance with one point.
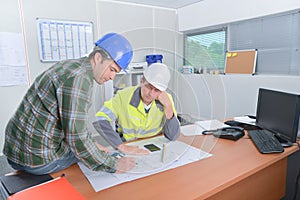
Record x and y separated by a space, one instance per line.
49 132
140 111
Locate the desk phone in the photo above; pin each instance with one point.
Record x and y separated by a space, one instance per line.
231 133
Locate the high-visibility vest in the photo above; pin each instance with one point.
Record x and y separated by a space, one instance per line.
127 109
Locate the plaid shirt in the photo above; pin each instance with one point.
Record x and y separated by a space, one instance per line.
52 119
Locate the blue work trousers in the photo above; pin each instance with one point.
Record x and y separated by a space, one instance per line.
55 166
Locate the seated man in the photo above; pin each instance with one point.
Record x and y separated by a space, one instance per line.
140 111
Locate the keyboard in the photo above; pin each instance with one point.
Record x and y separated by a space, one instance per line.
265 141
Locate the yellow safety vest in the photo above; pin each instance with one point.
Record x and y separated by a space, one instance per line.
127 109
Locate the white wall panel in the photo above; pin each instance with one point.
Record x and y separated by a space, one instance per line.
215 12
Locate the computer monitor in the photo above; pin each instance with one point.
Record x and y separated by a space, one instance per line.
279 113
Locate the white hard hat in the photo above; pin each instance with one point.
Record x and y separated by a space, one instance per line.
158 75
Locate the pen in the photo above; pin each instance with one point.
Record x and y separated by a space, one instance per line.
163 153
118 155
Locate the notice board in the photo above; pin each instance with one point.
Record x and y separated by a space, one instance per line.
241 62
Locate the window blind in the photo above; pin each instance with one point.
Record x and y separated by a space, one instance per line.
276 38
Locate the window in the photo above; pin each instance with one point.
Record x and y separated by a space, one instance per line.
276 38
206 51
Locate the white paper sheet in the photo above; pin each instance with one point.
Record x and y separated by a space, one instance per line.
245 119
191 129
12 59
177 154
199 126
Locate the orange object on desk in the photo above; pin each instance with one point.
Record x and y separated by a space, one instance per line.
58 189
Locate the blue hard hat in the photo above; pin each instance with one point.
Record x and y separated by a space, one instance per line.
118 47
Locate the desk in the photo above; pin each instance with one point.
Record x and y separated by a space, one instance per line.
236 170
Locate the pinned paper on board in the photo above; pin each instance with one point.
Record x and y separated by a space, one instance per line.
241 62
231 54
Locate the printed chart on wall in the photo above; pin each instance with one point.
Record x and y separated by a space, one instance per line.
241 62
60 40
12 59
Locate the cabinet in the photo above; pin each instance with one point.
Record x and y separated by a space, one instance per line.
131 78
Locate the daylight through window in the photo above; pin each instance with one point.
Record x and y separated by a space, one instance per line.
206 52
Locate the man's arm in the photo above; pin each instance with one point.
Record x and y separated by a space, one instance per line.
74 98
112 137
171 127
104 128
167 103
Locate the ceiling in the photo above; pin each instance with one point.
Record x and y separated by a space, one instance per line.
175 4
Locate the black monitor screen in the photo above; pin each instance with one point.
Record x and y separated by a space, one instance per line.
278 112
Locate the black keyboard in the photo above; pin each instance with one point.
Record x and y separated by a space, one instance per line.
265 141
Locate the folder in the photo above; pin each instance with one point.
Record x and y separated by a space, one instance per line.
58 189
3 191
18 181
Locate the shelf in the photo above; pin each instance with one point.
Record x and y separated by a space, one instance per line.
123 80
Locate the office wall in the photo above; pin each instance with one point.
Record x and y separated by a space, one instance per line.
225 96
152 30
11 21
215 12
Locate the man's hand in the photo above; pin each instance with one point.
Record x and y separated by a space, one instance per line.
135 150
102 148
164 99
125 164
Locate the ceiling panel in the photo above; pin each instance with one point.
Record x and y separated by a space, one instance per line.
175 4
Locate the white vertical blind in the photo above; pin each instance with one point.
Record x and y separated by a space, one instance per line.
277 39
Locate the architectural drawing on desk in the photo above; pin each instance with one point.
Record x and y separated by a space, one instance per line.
176 151
177 154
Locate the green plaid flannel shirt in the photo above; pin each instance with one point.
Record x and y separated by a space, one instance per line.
52 119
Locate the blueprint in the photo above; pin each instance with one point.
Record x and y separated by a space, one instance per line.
176 154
